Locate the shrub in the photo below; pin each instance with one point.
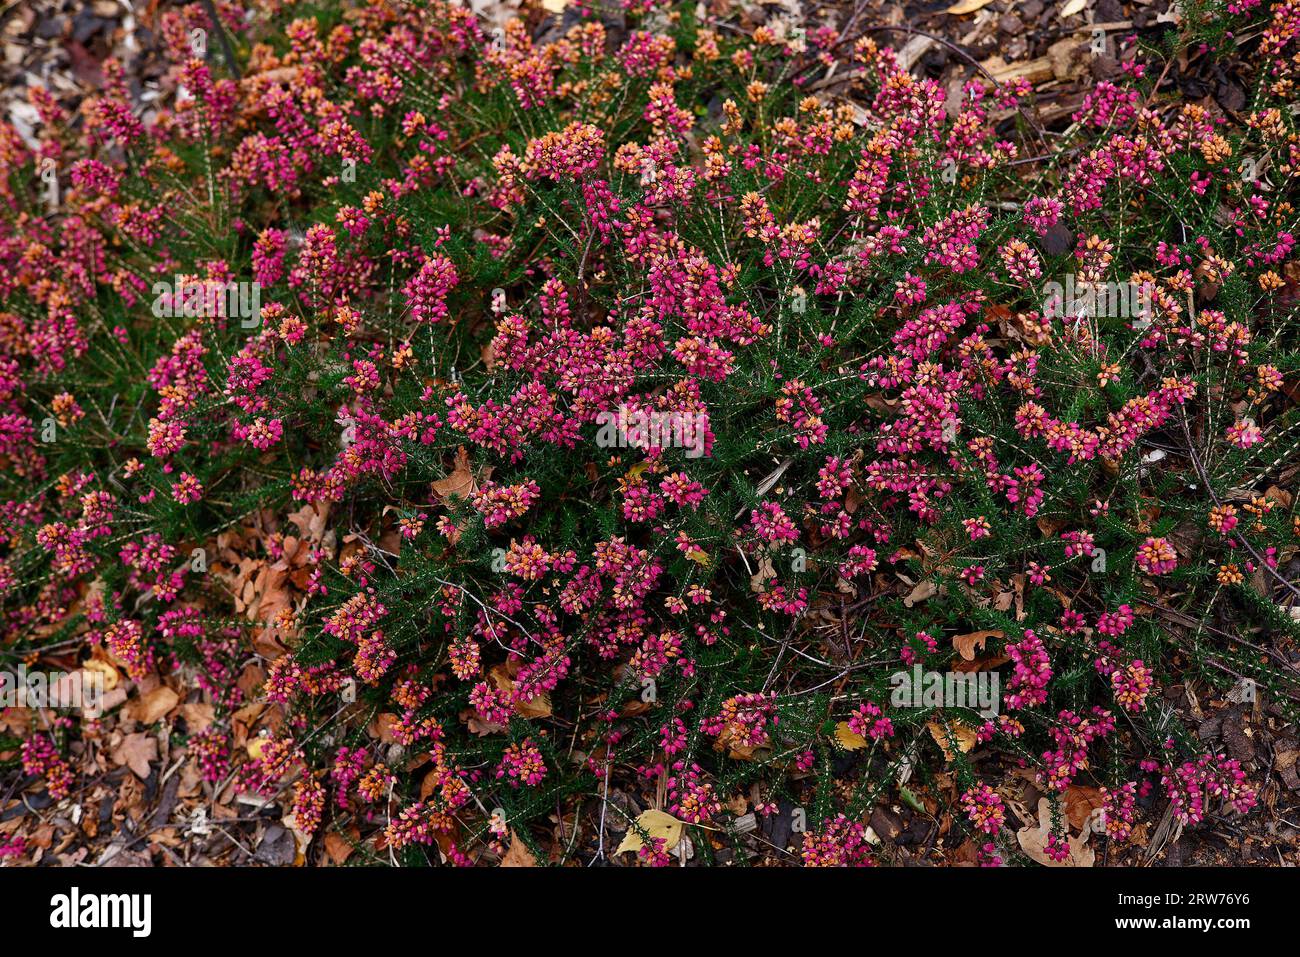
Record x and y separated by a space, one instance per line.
483 420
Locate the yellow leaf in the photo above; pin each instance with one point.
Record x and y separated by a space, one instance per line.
699 556
848 740
538 707
105 670
967 6
947 733
657 824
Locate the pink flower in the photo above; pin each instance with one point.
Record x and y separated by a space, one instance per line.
984 808
1156 556
522 764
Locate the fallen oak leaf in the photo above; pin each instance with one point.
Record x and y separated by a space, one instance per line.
922 591
965 645
982 663
244 721
461 480
301 839
1080 803
518 855
150 707
479 726
197 716
765 572
136 751
1033 841
338 848
311 520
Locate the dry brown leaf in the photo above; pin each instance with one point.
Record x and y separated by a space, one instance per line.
539 707
519 855
243 721
982 663
311 520
1049 526
1068 59
383 725
337 848
922 591
1033 841
136 751
736 751
1080 801
765 572
962 7
152 706
429 783
1279 495
965 644
301 840
197 716
480 727
879 403
460 482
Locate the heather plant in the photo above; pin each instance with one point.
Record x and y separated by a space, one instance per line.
476 416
